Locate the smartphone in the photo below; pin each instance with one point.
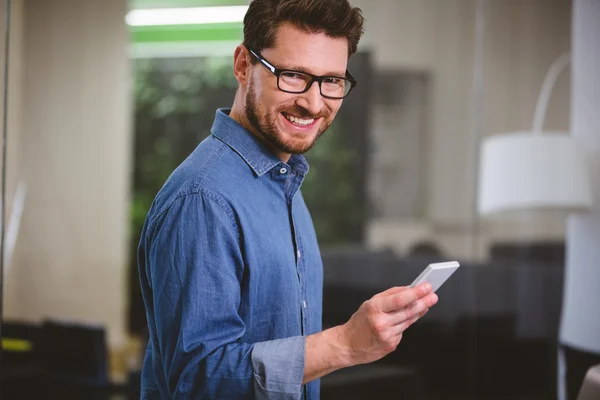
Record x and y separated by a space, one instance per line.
436 274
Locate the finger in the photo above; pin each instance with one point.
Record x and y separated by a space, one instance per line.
416 318
391 291
403 298
431 300
412 310
400 328
416 308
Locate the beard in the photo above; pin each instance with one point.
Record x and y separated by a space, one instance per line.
266 126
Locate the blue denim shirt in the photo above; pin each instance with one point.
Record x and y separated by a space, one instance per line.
231 274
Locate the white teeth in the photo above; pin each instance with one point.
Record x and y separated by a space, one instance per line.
299 121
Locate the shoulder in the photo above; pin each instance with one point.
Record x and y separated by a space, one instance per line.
210 174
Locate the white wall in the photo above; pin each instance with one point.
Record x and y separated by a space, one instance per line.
521 40
15 91
14 165
580 325
76 138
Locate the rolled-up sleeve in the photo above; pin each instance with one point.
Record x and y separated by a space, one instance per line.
194 266
279 368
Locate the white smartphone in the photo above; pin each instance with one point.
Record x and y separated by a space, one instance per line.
436 274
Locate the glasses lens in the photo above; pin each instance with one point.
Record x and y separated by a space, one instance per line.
297 82
293 81
335 87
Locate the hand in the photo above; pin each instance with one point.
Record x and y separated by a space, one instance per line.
376 329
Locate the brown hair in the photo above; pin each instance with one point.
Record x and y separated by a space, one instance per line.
335 18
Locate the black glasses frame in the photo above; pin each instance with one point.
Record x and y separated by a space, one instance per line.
314 78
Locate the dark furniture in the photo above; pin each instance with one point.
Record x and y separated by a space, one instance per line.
64 361
493 334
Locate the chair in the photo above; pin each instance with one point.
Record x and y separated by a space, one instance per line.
75 360
21 372
590 389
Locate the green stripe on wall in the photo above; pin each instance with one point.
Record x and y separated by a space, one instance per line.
185 3
187 33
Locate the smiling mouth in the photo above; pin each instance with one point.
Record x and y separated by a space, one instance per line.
299 121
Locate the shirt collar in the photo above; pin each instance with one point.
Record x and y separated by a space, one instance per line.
243 142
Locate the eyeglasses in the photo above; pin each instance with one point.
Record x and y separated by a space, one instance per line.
331 87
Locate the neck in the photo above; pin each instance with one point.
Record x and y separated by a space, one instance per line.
238 114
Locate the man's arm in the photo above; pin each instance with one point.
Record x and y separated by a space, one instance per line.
371 333
195 268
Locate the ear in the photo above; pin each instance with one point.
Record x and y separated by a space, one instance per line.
241 64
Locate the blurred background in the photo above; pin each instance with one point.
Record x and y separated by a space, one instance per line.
472 136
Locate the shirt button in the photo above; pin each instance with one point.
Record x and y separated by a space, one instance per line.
283 171
304 303
298 253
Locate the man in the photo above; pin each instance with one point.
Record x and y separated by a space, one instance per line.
229 262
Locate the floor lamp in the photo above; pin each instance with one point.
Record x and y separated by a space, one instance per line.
533 170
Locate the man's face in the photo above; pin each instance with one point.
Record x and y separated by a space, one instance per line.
292 123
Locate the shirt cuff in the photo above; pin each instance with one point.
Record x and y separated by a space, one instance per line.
278 367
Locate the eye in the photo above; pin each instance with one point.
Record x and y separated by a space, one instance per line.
333 81
294 75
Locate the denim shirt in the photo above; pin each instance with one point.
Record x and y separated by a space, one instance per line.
231 274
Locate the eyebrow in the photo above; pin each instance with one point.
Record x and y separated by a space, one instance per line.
301 69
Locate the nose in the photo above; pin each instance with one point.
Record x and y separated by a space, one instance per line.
311 100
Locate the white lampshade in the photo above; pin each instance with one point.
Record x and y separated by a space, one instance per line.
528 171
